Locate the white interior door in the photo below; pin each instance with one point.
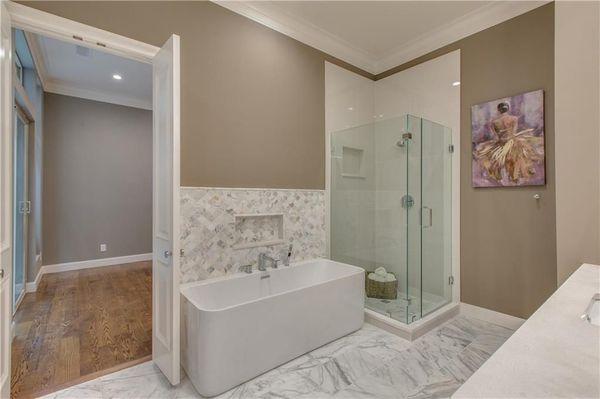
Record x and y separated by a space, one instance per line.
165 260
6 110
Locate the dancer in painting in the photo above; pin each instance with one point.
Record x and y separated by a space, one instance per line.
509 150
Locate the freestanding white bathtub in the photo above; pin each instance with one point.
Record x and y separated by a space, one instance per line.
238 327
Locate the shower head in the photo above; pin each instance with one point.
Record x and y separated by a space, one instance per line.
405 138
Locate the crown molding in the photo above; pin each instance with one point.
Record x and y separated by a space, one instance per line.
473 22
58 87
305 32
266 14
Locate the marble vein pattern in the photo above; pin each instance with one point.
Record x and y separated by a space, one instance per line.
209 234
370 363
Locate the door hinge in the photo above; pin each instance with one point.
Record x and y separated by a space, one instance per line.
451 280
451 148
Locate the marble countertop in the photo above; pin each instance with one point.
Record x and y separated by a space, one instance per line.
553 354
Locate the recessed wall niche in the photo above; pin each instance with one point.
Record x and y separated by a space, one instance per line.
352 162
258 230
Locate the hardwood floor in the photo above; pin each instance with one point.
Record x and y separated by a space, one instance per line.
80 323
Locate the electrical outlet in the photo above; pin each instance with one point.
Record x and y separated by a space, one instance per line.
102 247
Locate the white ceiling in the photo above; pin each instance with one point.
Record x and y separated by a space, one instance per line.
377 27
83 72
378 35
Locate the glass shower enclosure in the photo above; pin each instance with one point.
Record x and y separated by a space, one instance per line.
391 208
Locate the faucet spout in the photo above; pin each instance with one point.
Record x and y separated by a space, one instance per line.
263 258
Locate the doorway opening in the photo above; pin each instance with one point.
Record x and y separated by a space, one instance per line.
88 315
82 259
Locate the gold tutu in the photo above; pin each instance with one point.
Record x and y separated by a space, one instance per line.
515 153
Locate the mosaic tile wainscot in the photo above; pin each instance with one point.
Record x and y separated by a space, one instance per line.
208 228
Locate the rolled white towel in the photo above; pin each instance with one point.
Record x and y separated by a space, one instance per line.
389 277
376 277
381 271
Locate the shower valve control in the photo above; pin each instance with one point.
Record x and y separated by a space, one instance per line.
407 201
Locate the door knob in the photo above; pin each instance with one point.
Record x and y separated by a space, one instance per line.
167 254
1 273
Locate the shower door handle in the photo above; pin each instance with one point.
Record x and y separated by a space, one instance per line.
430 217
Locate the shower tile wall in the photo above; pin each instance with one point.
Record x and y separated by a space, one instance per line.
208 230
349 103
352 221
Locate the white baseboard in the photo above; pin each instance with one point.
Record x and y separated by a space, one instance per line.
491 316
84 264
32 287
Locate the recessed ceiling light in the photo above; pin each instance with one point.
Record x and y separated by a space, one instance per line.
116 76
350 108
457 83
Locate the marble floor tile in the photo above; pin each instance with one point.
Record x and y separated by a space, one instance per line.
370 363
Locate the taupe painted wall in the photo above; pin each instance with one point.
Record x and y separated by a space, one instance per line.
577 135
508 240
97 180
253 116
252 99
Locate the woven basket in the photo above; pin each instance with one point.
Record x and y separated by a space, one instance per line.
379 289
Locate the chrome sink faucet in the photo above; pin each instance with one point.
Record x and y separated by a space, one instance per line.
263 258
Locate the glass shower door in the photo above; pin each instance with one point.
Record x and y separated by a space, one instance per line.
429 233
436 231
397 205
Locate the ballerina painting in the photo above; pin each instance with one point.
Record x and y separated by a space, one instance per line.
508 141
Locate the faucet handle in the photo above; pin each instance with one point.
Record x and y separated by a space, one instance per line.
287 255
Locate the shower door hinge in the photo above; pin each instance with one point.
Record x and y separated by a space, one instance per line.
451 148
451 280
405 301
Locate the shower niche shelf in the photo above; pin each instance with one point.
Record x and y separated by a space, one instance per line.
352 162
258 230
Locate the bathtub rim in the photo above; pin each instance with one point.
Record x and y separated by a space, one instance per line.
237 275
